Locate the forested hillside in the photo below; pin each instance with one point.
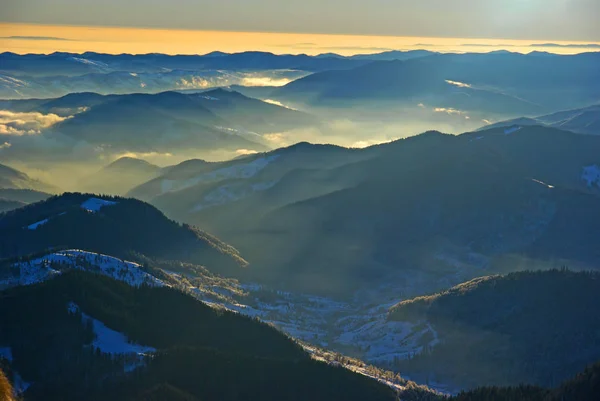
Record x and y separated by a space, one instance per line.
66 348
125 228
527 327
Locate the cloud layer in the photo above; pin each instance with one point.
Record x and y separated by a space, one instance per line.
30 123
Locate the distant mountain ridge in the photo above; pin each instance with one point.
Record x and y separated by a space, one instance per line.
506 83
584 121
119 176
72 63
216 120
11 178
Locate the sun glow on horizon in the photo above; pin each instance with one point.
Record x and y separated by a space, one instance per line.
33 38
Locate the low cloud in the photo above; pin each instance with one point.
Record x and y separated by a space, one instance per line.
143 155
449 110
242 152
5 145
367 143
30 123
278 103
265 81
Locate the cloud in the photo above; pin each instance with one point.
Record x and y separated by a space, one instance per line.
277 138
5 145
357 48
143 155
449 110
581 46
265 81
485 45
29 123
367 143
242 152
36 38
298 45
278 103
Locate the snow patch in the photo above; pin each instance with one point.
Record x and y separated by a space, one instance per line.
40 269
6 353
110 341
35 225
208 97
97 64
95 204
459 84
542 183
231 193
246 170
591 175
512 130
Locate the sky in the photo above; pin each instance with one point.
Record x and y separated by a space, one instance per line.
294 26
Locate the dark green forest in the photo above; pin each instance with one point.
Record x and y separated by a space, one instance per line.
127 229
202 353
538 328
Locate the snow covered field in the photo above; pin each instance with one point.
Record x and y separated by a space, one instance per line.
43 268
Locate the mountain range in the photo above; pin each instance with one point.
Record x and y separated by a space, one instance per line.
14 179
432 202
57 74
164 122
505 83
584 121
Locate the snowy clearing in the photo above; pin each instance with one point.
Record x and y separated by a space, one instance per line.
511 130
542 183
93 205
37 224
245 170
108 340
41 269
6 353
591 175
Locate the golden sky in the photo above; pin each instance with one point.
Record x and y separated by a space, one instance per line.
36 38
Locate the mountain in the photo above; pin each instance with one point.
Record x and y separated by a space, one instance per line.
125 228
506 84
393 55
23 195
91 337
17 86
168 121
331 220
584 121
11 178
120 176
583 387
11 199
58 74
7 204
526 327
187 183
